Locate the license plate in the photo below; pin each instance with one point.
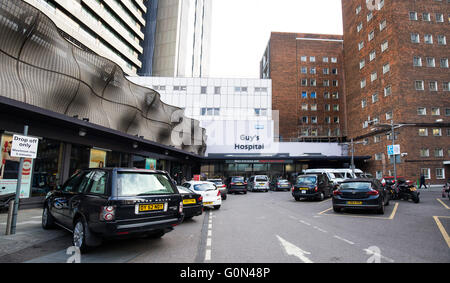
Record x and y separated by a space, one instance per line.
354 202
304 189
261 184
208 203
238 184
303 192
189 201
151 207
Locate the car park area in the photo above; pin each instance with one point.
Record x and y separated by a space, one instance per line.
261 227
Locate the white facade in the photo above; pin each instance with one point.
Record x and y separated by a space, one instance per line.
182 39
110 28
210 99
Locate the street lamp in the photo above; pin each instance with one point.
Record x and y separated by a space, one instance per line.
393 126
352 143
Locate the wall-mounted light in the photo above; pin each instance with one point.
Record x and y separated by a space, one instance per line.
135 144
82 132
86 119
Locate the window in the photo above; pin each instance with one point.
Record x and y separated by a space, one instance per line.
362 63
421 111
384 46
386 68
372 55
336 107
433 86
424 152
389 115
387 91
313 107
179 88
326 95
439 18
373 76
437 132
203 90
417 61
359 27
363 83
378 156
304 107
304 82
325 59
327 120
419 85
260 112
99 179
335 83
446 86
383 25
336 120
333 60
303 59
425 172
423 132
369 16
431 62
435 111
428 39
426 17
313 82
358 9
361 45
304 120
371 35
326 71
444 62
440 173
374 97
413 16
334 71
314 119
442 40
312 59
363 103
438 152
217 90
335 95
313 95
304 70
415 38
312 71
304 94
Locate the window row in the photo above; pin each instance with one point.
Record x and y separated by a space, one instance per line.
314 120
428 39
374 75
373 54
426 16
206 111
315 132
437 152
312 59
326 95
313 82
313 107
204 89
430 62
435 111
313 70
432 85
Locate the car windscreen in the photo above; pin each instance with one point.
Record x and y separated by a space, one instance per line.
237 179
359 186
283 181
307 180
204 187
141 184
336 175
261 179
217 182
184 190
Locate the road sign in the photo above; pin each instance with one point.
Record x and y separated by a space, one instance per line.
393 149
23 146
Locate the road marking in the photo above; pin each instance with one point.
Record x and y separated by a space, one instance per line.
320 229
209 238
24 222
293 250
208 242
328 199
442 229
304 222
443 203
391 217
344 240
208 255
376 254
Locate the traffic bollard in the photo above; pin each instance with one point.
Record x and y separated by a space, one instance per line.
10 214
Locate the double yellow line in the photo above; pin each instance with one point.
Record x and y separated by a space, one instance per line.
442 229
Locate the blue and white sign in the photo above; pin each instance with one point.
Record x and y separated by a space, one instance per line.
393 149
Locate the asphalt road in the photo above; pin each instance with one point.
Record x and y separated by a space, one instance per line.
266 228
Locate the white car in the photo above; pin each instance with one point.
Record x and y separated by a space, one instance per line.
208 190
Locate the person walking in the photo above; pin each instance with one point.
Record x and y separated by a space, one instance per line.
422 181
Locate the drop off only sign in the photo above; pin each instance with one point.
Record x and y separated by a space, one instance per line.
23 146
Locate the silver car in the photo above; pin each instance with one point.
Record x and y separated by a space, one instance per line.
258 183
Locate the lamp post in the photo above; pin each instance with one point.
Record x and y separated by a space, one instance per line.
352 143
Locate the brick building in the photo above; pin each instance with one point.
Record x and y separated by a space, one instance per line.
396 62
307 76
392 66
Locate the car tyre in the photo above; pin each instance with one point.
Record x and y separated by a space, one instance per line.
381 209
48 221
217 207
321 196
297 198
79 235
337 209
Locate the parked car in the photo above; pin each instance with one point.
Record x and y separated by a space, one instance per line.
112 202
312 186
361 193
221 186
208 190
280 185
236 184
192 202
258 183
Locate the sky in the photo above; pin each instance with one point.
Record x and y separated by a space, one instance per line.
241 30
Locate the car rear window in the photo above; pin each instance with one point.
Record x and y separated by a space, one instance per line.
217 182
237 179
140 183
307 180
356 186
204 187
283 181
261 179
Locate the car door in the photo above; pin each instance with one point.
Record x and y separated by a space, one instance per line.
73 198
96 195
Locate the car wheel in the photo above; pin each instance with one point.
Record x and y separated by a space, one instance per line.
321 196
337 209
297 198
381 209
79 235
48 221
217 207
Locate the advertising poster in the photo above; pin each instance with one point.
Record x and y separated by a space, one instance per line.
10 169
150 164
97 158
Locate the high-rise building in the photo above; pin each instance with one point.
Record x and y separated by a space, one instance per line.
307 82
396 62
181 31
110 28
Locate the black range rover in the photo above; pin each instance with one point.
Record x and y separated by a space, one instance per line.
113 202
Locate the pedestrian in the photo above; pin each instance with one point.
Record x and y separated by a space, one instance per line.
422 181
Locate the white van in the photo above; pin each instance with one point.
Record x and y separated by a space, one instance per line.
335 177
348 174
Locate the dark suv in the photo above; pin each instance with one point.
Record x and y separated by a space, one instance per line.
236 184
113 202
312 186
